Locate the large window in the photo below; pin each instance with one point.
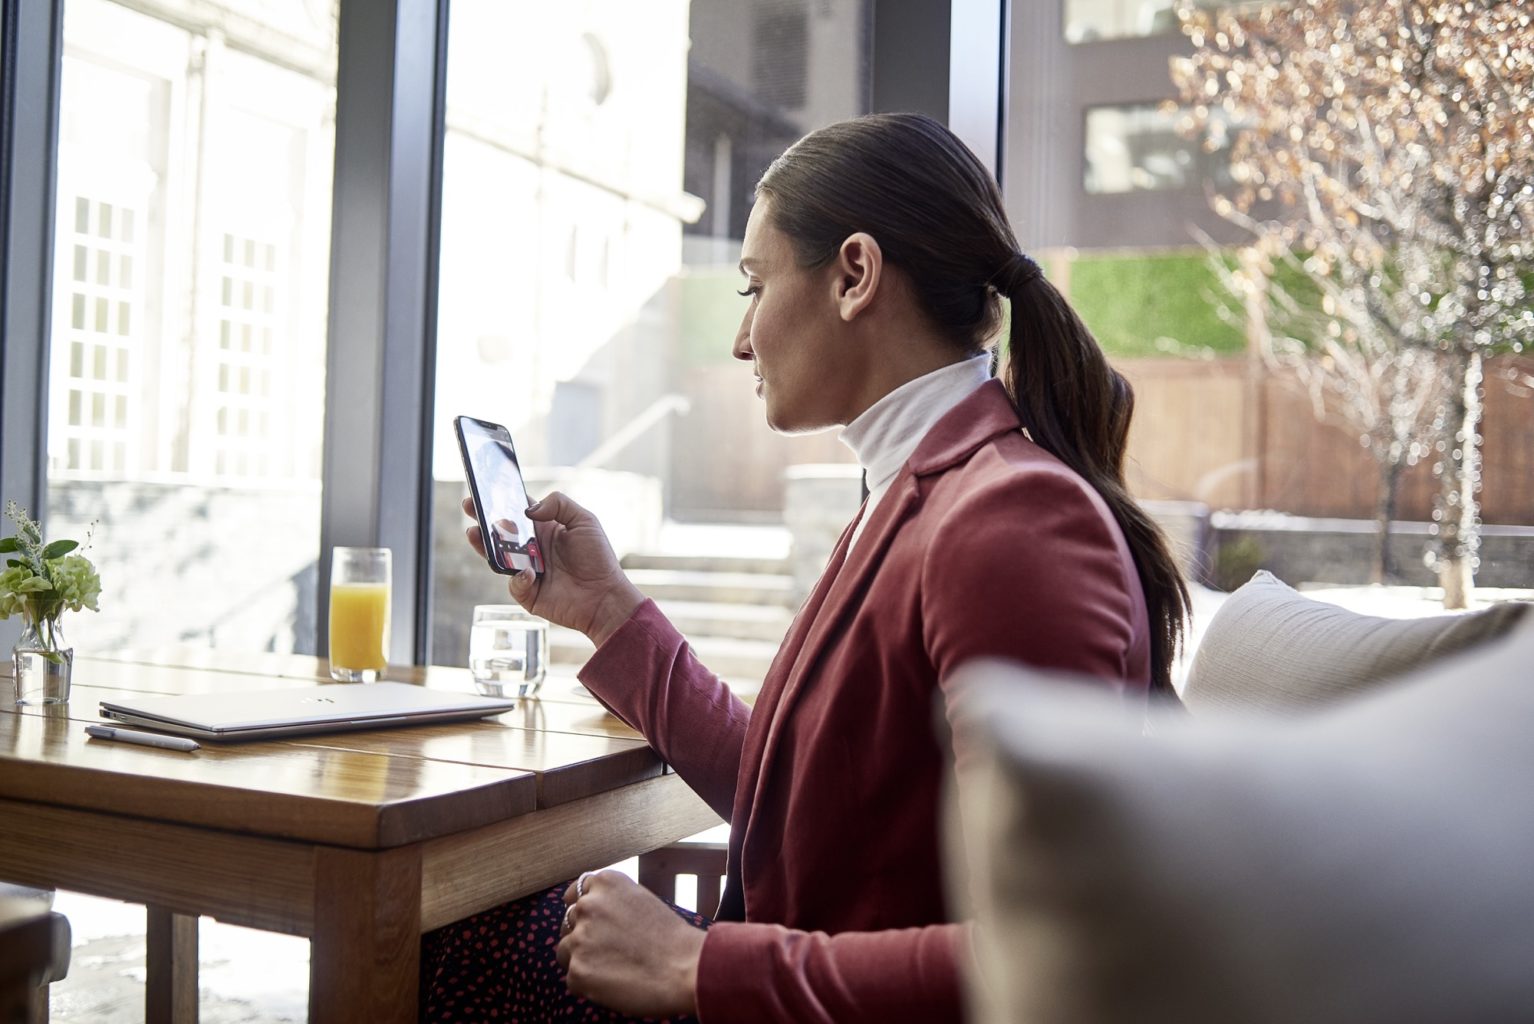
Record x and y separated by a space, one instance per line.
188 352
598 170
1142 148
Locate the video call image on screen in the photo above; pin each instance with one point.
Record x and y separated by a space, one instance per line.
511 540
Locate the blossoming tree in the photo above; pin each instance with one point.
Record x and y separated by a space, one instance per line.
1392 142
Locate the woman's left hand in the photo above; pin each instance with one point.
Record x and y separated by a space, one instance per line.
622 947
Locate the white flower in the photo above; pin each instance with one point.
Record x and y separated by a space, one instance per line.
43 580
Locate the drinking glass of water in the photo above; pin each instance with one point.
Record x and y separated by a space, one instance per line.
508 650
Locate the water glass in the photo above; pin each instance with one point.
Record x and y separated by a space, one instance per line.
508 650
359 613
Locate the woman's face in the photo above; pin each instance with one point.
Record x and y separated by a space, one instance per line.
789 333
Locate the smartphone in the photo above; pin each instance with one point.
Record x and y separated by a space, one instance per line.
500 496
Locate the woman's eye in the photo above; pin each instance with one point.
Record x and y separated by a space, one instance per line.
748 292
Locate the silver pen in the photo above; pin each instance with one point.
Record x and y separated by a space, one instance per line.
148 739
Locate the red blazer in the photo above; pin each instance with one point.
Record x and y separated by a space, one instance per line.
834 908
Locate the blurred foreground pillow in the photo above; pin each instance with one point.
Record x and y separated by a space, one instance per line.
1374 863
1271 648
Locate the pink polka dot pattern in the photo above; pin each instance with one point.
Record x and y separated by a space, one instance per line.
500 966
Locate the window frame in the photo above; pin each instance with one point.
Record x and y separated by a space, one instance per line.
29 125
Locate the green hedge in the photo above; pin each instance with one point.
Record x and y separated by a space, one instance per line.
1153 305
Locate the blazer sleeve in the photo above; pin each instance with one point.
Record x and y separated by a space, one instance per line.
647 675
1031 569
1037 573
1034 569
766 973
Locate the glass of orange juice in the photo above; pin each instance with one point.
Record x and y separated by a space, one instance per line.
359 613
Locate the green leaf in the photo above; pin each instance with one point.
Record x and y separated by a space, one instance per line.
14 563
59 548
7 544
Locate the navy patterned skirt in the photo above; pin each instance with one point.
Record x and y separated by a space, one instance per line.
500 966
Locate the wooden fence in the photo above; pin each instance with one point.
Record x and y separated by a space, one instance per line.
1232 434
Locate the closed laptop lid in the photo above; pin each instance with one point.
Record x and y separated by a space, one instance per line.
333 707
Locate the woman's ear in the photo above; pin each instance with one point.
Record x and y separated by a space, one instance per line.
859 270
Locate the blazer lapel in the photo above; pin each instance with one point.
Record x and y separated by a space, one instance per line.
841 597
783 662
732 905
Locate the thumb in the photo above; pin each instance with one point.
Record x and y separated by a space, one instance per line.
523 587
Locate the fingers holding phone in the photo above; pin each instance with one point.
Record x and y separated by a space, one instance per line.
476 541
560 563
585 587
504 534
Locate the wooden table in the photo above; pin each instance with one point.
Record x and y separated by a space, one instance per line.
360 841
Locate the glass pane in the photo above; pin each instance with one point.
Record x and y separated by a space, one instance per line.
186 142
599 167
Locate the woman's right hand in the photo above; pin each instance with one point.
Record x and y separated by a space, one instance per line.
583 586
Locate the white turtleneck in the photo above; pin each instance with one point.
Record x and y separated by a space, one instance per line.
888 432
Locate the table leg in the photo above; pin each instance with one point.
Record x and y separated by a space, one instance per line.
365 951
170 989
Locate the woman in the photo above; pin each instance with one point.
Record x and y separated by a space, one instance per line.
997 524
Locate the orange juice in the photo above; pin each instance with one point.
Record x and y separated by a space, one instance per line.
359 625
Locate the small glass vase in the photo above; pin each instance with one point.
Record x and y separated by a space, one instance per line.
43 664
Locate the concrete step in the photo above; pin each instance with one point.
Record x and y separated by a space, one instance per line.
745 661
697 620
761 589
736 564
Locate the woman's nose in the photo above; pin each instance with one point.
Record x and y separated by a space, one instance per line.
742 347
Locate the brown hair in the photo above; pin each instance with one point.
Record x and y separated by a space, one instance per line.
937 213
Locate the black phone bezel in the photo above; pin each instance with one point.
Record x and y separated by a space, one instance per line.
479 507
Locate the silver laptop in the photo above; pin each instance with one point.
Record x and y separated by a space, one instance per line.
268 714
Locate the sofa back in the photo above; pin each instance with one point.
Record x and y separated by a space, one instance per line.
1271 649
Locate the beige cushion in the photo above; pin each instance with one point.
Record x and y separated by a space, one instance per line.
1273 649
1366 865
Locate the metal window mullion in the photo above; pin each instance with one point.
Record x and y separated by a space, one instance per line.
946 60
909 56
381 338
29 129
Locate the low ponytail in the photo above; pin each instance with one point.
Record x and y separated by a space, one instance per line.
1078 408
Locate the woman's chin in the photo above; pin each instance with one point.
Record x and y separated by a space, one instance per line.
783 421
779 421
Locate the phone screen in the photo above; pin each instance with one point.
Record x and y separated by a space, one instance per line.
500 497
